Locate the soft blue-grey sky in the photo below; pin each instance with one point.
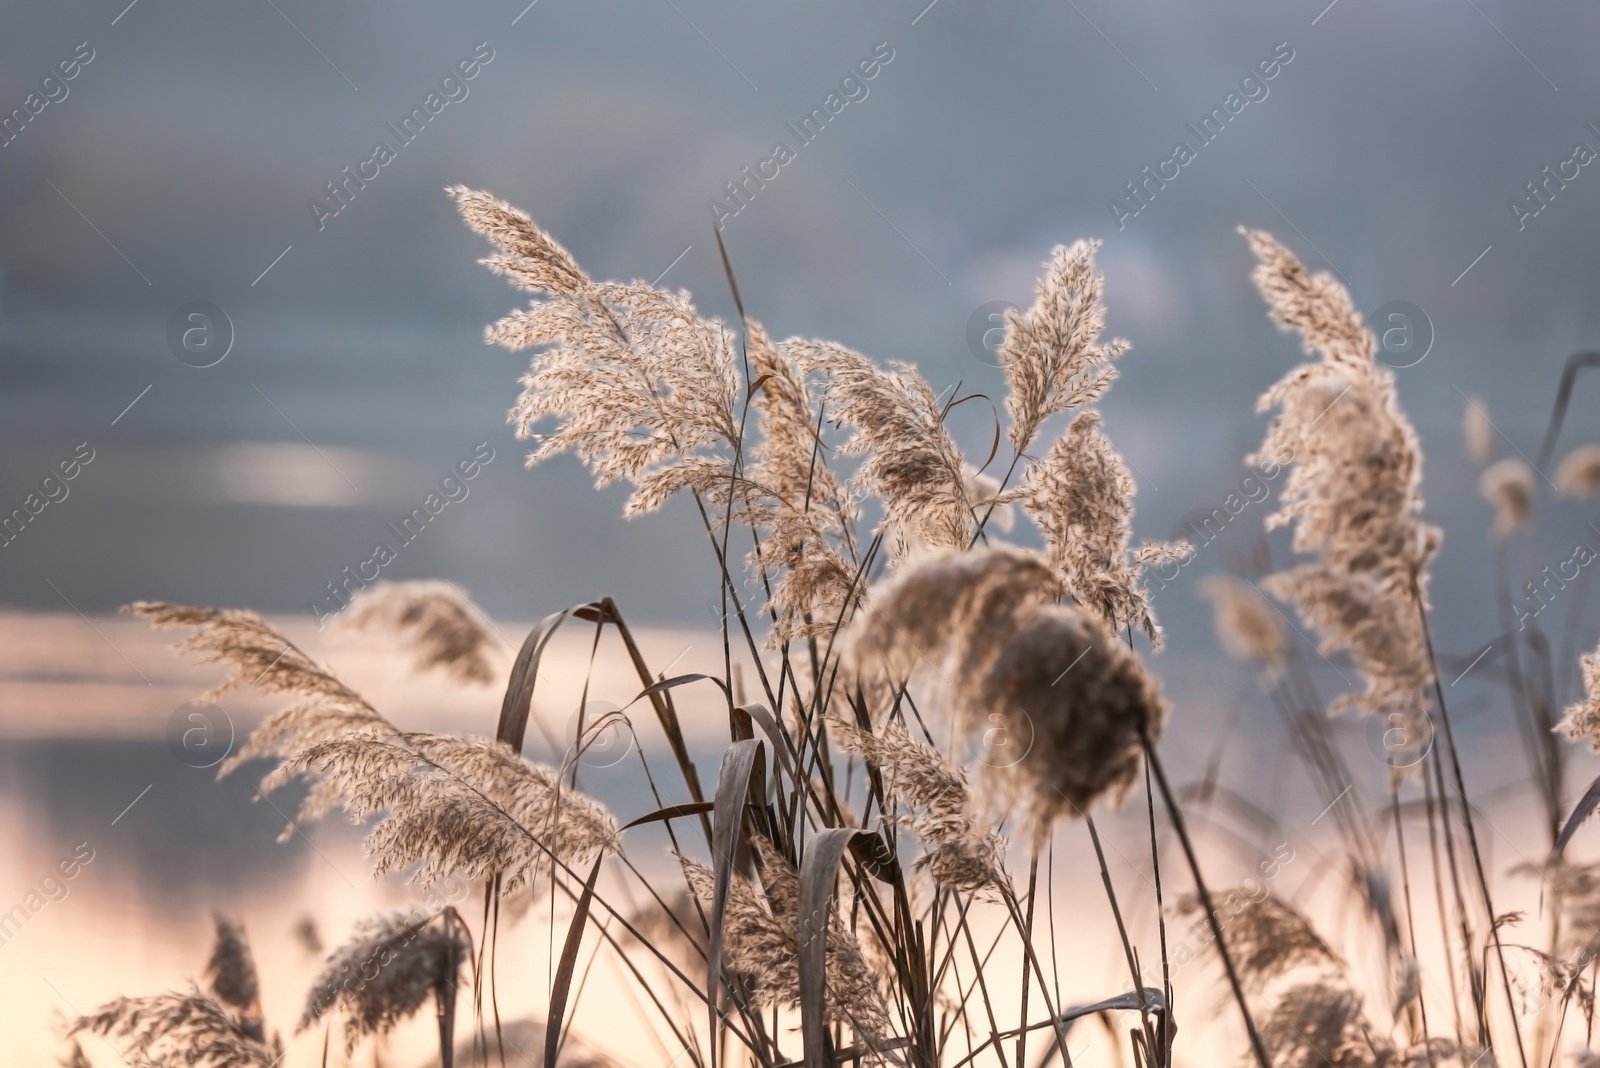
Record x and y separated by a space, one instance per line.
181 164
178 165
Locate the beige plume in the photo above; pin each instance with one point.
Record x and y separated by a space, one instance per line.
1052 354
1477 430
1579 472
1248 627
636 381
1508 485
1354 492
443 629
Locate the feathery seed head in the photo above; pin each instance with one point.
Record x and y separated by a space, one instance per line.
635 379
388 969
1582 720
1354 493
1477 430
1270 939
946 611
1052 354
260 657
255 653
1247 626
1071 703
1579 472
1081 495
1508 486
457 807
957 853
912 462
231 977
531 258
1061 701
167 1030
789 460
440 624
761 942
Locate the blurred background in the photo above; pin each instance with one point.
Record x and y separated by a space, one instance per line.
174 174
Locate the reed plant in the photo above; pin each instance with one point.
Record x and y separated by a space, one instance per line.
928 702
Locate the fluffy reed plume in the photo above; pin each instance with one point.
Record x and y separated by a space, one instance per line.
1247 626
789 461
948 613
1081 496
1508 486
635 379
1582 721
231 977
391 966
306 933
1313 1025
816 582
531 258
439 623
912 463
260 657
1062 700
1271 939
255 653
957 853
762 936
171 1030
1323 1025
1353 495
1052 354
1072 702
817 586
1477 430
458 807
1312 1016
1579 472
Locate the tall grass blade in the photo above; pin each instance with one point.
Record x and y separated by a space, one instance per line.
743 764
819 870
569 960
1582 811
518 703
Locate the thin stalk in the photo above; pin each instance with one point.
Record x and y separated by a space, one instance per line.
1411 913
1439 902
1478 997
1168 1034
1256 1044
1033 886
1467 820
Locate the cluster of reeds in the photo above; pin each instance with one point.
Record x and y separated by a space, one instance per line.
929 704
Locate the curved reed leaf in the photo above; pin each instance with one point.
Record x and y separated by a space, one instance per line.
819 870
742 764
